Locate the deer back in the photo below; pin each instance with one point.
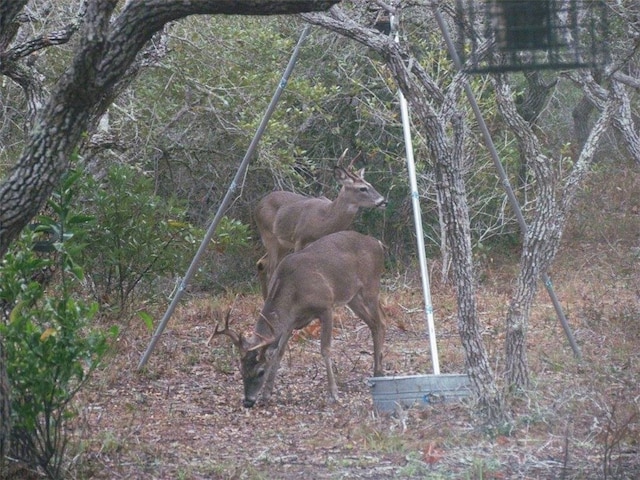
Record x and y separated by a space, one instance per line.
300 223
268 207
326 273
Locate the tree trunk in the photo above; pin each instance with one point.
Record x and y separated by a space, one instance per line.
452 190
581 114
530 106
444 130
544 231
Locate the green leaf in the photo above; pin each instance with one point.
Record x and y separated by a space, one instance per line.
79 219
147 318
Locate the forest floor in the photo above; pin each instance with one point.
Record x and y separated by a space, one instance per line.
182 417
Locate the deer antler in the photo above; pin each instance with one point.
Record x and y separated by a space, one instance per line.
353 160
264 340
348 168
235 337
266 320
341 159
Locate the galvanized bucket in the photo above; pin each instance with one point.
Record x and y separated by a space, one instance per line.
418 390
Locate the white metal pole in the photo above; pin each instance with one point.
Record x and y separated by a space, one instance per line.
226 200
417 219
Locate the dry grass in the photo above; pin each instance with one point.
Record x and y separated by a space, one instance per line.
182 417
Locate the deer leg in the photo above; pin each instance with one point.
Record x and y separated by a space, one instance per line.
326 332
371 313
267 388
273 256
378 332
263 277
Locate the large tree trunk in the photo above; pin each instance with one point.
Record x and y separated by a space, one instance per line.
442 125
104 52
452 193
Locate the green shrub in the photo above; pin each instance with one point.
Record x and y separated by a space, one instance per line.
136 239
49 343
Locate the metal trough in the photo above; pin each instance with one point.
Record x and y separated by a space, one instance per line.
418 390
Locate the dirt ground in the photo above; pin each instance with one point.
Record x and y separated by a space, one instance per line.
183 416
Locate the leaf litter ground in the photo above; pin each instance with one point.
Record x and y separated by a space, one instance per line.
182 417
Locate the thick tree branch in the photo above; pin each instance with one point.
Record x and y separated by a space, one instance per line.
623 120
9 11
587 154
58 37
338 21
106 49
12 60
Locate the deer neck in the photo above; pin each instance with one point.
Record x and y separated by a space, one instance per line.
269 323
342 211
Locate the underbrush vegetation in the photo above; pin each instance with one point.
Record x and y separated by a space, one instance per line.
51 345
182 416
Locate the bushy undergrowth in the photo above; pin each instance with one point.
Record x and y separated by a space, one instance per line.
50 345
139 238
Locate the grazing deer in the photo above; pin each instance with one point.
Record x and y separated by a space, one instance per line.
343 268
287 221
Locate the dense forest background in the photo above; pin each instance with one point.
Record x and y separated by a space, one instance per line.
181 127
184 124
107 251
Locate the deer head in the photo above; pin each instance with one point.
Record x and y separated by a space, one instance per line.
362 194
256 353
357 191
288 221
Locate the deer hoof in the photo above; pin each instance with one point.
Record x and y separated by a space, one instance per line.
333 398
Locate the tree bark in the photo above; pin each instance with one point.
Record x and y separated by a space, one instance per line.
624 122
595 97
544 230
14 62
105 50
443 127
581 114
530 106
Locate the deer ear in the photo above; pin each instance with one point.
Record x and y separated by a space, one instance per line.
267 352
270 351
341 176
262 353
245 345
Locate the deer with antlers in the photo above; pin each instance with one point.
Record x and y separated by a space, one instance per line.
342 268
288 221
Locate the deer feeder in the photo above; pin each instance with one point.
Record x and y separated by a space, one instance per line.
518 35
